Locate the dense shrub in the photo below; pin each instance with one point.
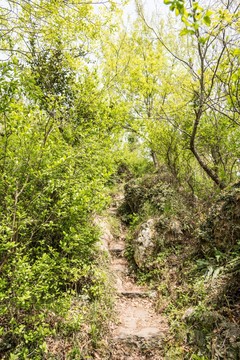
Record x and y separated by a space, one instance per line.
49 187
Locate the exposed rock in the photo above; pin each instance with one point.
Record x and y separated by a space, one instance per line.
188 313
119 266
139 324
133 294
117 200
175 227
106 235
117 249
152 236
145 243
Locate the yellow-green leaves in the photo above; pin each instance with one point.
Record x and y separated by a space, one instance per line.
186 31
207 17
192 18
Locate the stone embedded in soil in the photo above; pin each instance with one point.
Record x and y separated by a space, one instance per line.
118 244
150 337
133 294
139 323
122 269
117 250
121 261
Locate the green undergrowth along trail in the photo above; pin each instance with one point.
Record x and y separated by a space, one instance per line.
196 280
48 192
53 177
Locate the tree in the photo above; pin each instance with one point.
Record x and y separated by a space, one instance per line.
56 127
212 42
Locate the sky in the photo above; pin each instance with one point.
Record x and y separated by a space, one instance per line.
150 7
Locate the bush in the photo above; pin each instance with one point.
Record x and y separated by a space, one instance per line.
48 191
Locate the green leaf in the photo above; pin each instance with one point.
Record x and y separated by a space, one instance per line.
196 25
236 52
209 13
187 31
207 20
185 20
195 5
202 40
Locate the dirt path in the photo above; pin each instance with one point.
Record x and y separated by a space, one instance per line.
140 331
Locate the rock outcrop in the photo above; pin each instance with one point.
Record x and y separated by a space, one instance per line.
145 243
153 236
106 236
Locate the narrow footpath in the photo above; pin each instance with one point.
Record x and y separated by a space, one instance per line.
139 332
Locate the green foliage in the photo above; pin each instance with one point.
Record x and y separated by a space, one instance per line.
47 196
221 228
146 197
56 130
196 285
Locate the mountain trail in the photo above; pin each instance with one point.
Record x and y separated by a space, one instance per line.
139 331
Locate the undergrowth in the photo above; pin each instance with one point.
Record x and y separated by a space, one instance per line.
197 283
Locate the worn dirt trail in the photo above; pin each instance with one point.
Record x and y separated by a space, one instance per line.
140 331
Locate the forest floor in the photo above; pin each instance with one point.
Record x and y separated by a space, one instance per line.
138 332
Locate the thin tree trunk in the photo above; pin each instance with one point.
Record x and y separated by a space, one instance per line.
203 165
155 160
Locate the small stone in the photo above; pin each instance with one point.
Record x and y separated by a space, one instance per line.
188 313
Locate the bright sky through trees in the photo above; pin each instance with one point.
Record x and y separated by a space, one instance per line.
151 7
